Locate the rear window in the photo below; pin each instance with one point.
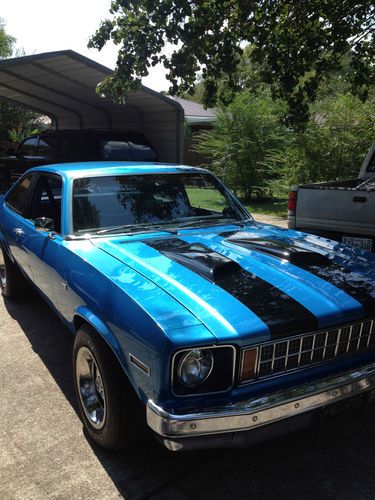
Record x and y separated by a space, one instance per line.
29 147
47 145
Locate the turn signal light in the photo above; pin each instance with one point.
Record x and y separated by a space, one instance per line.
249 360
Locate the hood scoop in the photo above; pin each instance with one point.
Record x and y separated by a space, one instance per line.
282 250
199 258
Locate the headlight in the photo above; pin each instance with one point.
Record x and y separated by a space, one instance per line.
195 367
203 370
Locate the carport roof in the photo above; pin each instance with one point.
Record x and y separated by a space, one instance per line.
62 85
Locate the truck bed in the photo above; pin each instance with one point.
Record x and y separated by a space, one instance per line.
346 185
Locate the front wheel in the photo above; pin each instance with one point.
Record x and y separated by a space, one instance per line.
110 410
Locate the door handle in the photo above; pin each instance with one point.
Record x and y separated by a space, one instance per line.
18 233
359 199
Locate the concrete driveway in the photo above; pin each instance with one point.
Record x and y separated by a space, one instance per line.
45 454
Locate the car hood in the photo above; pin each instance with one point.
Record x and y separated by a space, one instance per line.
255 283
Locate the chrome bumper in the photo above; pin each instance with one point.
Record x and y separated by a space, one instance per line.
271 408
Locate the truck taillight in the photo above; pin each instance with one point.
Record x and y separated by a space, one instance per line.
292 201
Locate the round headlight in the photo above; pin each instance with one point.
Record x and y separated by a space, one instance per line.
195 367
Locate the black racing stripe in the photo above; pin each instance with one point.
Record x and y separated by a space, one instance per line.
347 281
352 283
283 315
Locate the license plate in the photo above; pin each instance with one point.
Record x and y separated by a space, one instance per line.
363 243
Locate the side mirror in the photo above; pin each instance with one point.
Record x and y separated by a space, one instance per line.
44 224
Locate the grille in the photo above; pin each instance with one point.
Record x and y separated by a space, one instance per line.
313 348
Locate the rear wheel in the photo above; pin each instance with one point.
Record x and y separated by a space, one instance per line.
110 410
12 282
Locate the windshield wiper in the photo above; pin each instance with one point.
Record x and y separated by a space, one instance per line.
365 183
131 228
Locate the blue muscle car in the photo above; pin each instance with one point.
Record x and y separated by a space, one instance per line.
188 314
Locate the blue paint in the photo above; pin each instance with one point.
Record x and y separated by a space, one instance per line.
144 303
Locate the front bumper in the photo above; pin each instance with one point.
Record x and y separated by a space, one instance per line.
177 429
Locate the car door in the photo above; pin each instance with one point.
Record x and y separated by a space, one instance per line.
13 223
41 247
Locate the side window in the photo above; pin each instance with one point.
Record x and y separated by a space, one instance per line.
47 146
29 147
18 196
46 200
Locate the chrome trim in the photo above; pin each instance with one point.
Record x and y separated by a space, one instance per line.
203 347
142 367
264 410
311 350
91 388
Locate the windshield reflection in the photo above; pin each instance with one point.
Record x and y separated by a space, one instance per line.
101 203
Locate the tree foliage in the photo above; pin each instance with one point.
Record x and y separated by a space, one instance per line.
6 41
257 155
16 122
295 43
241 146
333 145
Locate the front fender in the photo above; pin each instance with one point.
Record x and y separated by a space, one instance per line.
102 329
141 384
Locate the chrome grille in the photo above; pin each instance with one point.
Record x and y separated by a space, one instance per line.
313 348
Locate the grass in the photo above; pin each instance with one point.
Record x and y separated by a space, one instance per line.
211 200
272 206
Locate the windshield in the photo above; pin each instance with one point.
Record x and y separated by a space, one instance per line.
135 201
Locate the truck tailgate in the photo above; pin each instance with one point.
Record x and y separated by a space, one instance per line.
341 210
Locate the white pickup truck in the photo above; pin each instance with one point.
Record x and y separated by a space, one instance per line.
339 210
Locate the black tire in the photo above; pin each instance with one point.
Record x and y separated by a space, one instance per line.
120 420
12 282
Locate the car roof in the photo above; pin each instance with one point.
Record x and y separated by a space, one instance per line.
102 168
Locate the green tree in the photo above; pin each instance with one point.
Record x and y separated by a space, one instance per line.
16 122
6 41
296 43
241 146
333 145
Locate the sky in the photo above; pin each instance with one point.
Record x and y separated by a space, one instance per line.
49 25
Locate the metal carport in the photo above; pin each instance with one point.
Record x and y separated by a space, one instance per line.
62 85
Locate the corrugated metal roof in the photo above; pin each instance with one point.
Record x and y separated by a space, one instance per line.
62 85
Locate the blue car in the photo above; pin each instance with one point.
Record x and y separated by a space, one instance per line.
190 318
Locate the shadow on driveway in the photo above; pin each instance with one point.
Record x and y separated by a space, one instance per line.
327 462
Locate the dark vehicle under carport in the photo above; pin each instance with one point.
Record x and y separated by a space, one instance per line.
62 85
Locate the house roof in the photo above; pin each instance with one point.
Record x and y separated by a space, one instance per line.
194 112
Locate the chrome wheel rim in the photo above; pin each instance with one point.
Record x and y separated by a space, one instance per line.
3 276
91 388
